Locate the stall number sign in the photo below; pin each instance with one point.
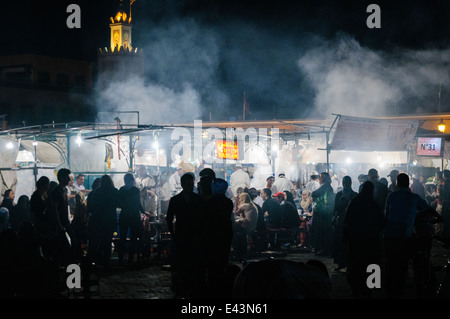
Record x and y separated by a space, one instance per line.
429 146
227 149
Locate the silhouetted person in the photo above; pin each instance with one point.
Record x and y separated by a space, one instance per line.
363 223
20 213
129 217
271 209
208 172
80 224
89 201
290 218
258 238
38 277
321 228
444 194
393 176
60 214
103 221
184 208
8 200
423 235
9 264
4 219
380 191
216 233
343 198
402 207
41 217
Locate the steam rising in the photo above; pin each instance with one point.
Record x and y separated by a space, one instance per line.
352 80
193 70
156 104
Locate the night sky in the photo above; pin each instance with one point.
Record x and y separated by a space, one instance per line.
293 59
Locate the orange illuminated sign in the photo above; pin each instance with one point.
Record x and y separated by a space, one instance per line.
227 149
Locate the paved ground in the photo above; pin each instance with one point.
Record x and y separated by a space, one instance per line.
152 279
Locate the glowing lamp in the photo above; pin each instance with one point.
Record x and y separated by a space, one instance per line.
441 126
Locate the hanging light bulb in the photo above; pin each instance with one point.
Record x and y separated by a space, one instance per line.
441 126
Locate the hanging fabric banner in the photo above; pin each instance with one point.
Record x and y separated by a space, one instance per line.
366 134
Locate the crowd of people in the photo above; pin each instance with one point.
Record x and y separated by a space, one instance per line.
212 221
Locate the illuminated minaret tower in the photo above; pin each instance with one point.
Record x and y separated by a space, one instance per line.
121 31
120 59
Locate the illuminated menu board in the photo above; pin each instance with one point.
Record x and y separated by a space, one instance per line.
227 149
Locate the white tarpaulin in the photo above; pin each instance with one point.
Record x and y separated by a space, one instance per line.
365 134
99 155
26 184
53 152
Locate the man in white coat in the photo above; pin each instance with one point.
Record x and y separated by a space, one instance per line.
282 183
239 178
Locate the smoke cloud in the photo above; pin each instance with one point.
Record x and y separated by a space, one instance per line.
350 79
156 104
180 60
195 69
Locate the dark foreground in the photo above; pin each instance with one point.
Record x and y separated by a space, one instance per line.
151 278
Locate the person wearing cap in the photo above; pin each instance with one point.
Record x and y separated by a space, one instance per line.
393 176
279 196
239 178
282 183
